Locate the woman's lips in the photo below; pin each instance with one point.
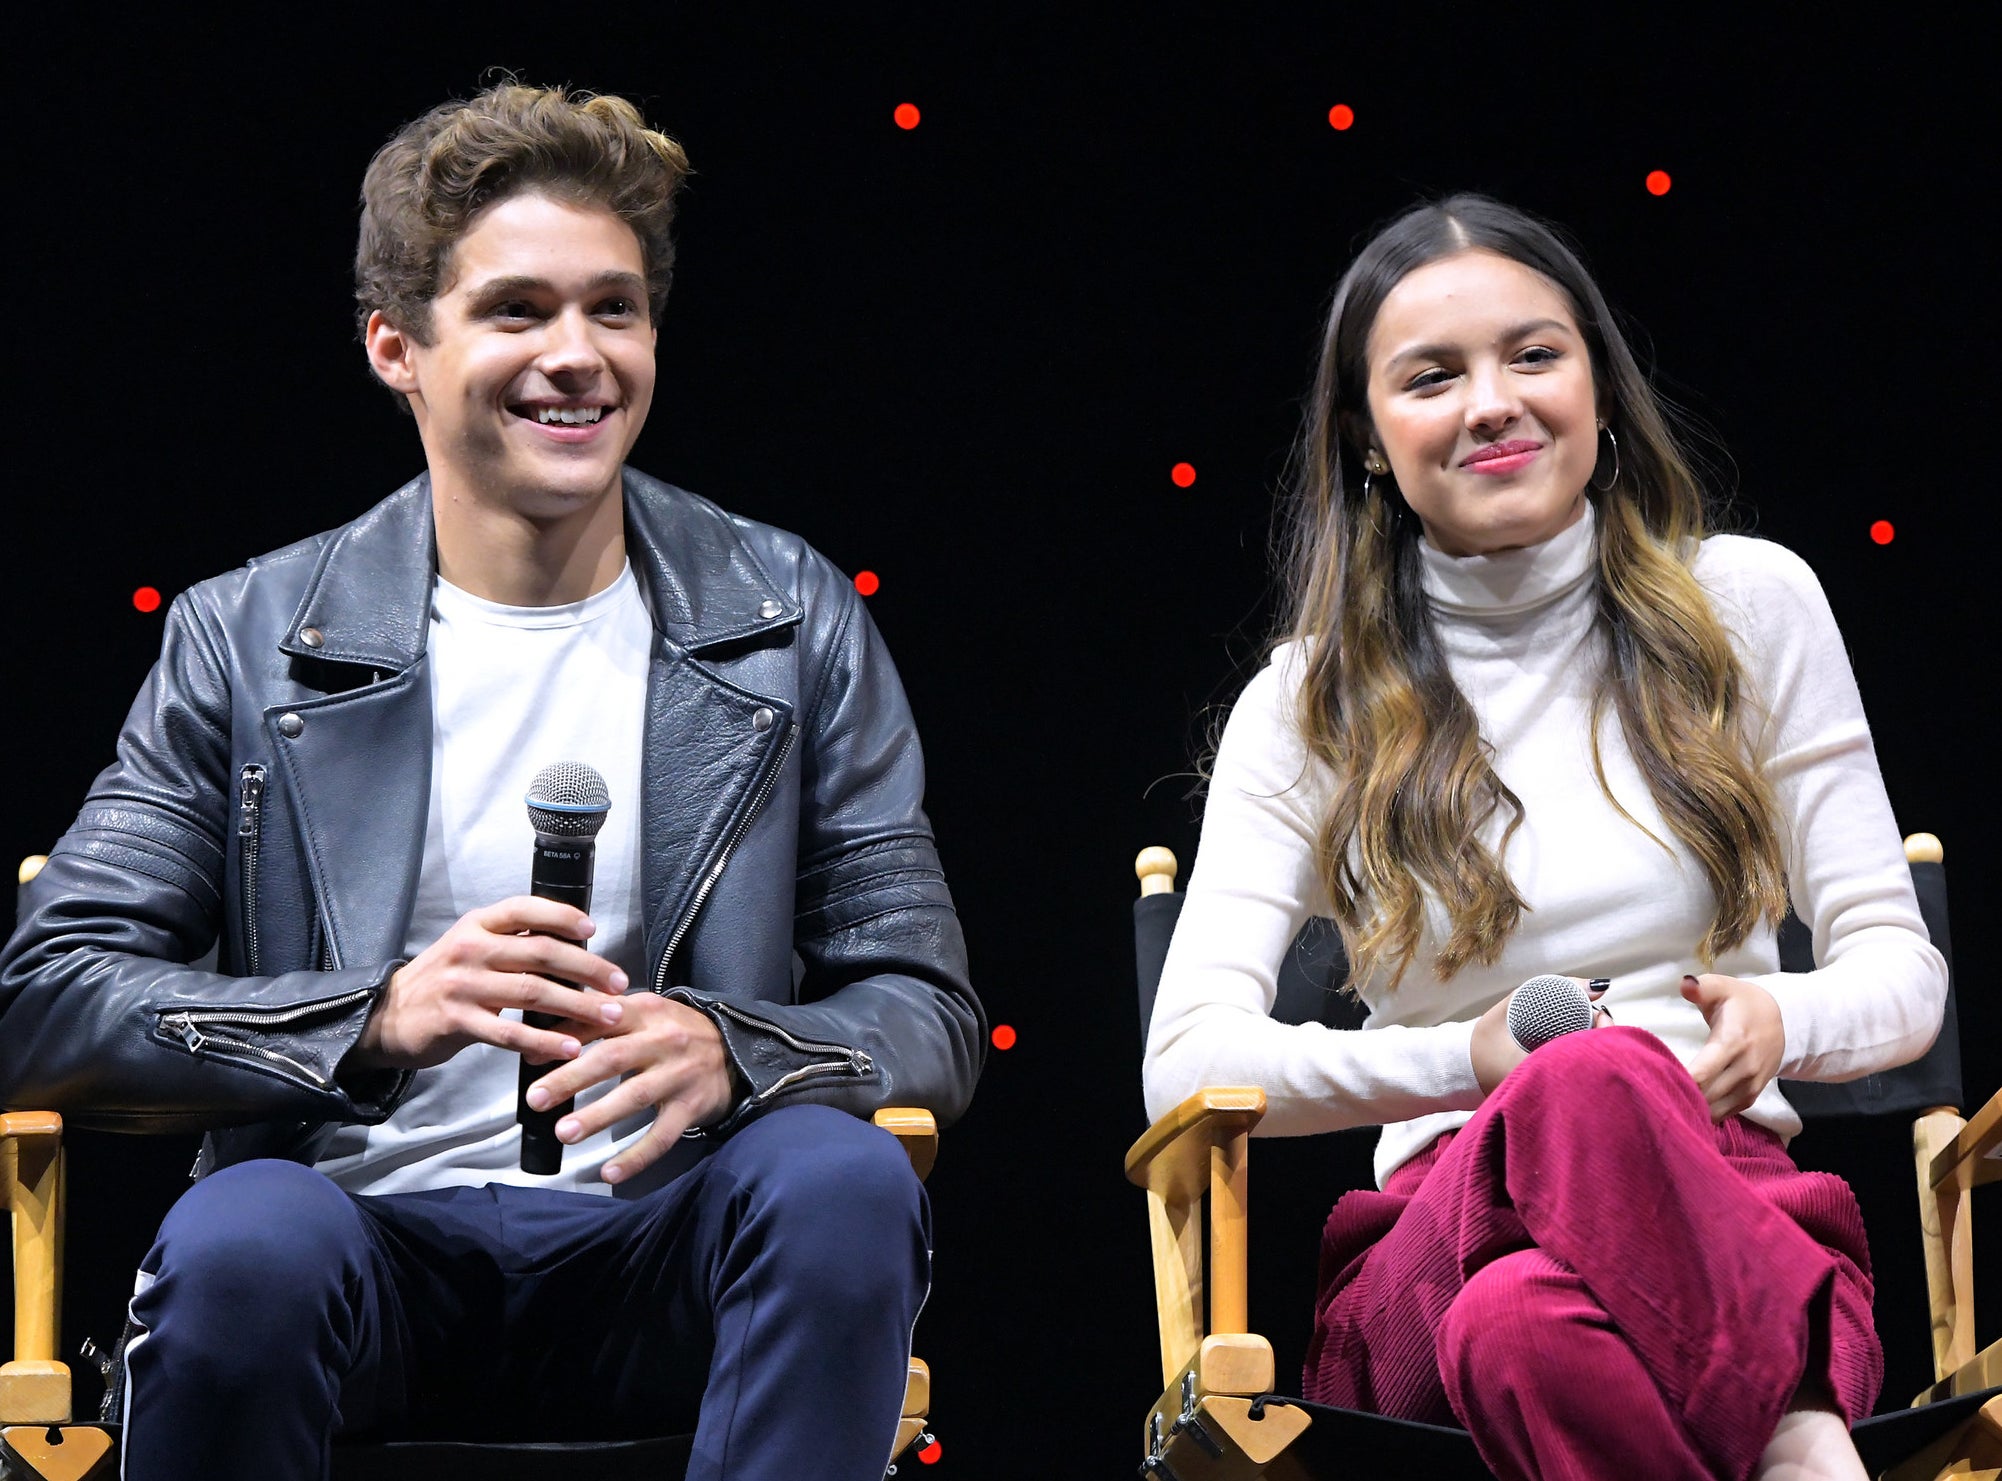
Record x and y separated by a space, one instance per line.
1502 457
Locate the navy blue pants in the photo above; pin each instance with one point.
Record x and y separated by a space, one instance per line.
764 1298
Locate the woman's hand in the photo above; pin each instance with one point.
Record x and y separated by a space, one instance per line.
1747 1041
1494 1049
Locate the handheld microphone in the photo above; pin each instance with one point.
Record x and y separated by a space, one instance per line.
1547 1007
567 804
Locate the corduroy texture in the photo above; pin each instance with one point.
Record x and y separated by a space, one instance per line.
1595 1280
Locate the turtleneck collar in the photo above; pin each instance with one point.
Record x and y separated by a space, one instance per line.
1512 581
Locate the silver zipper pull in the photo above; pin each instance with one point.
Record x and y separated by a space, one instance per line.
860 1062
250 795
183 1027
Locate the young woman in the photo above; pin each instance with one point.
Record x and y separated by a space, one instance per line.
1527 718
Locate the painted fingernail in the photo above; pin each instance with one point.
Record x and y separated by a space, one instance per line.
566 1129
1688 981
538 1099
612 1012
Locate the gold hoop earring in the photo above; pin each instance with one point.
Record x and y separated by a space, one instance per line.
1384 516
1608 486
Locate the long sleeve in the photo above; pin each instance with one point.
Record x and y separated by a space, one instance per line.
98 967
1875 998
1252 888
884 981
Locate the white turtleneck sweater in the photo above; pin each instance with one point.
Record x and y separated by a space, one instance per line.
1605 900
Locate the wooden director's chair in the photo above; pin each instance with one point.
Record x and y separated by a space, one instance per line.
40 1439
1218 1417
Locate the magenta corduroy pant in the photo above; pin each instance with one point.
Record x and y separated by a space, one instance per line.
1595 1280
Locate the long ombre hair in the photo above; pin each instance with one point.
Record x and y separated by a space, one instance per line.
1414 783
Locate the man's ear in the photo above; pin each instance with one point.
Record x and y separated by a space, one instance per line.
391 354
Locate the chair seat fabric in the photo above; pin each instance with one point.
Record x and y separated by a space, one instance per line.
438 1460
1349 1442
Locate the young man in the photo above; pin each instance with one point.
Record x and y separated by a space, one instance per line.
323 779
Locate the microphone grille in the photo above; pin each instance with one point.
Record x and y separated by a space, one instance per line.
568 800
1545 1008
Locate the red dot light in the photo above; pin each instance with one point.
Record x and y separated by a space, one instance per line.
1003 1036
1658 182
868 583
906 115
1184 475
1341 116
931 1453
1882 532
146 599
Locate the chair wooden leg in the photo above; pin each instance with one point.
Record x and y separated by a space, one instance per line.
917 1408
1177 1230
1946 1232
34 1387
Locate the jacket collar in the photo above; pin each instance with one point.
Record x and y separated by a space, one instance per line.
369 599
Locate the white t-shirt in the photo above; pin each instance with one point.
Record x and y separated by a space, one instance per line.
513 689
1605 899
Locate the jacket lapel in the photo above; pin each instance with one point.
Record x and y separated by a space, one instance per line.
358 762
705 757
359 771
706 753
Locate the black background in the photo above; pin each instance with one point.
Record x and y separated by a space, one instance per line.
965 357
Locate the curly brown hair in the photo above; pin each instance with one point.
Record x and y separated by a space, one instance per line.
426 185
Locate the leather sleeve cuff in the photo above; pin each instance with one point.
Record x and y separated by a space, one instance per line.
741 1088
769 1060
373 1091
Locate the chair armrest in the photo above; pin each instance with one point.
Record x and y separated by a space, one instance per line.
1974 1156
1172 1158
1199 1147
916 1131
34 1387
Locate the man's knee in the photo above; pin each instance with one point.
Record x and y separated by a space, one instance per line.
837 1189
815 1158
266 1231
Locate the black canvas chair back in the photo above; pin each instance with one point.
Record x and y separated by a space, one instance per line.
1315 971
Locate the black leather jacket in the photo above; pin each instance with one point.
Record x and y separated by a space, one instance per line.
269 798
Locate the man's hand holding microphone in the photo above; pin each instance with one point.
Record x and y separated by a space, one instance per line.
527 953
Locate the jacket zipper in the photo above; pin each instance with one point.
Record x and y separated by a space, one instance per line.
716 869
186 1025
249 832
851 1062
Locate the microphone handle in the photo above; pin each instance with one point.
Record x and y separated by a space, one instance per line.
562 872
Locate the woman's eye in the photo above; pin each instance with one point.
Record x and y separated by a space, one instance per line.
1429 380
1538 355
